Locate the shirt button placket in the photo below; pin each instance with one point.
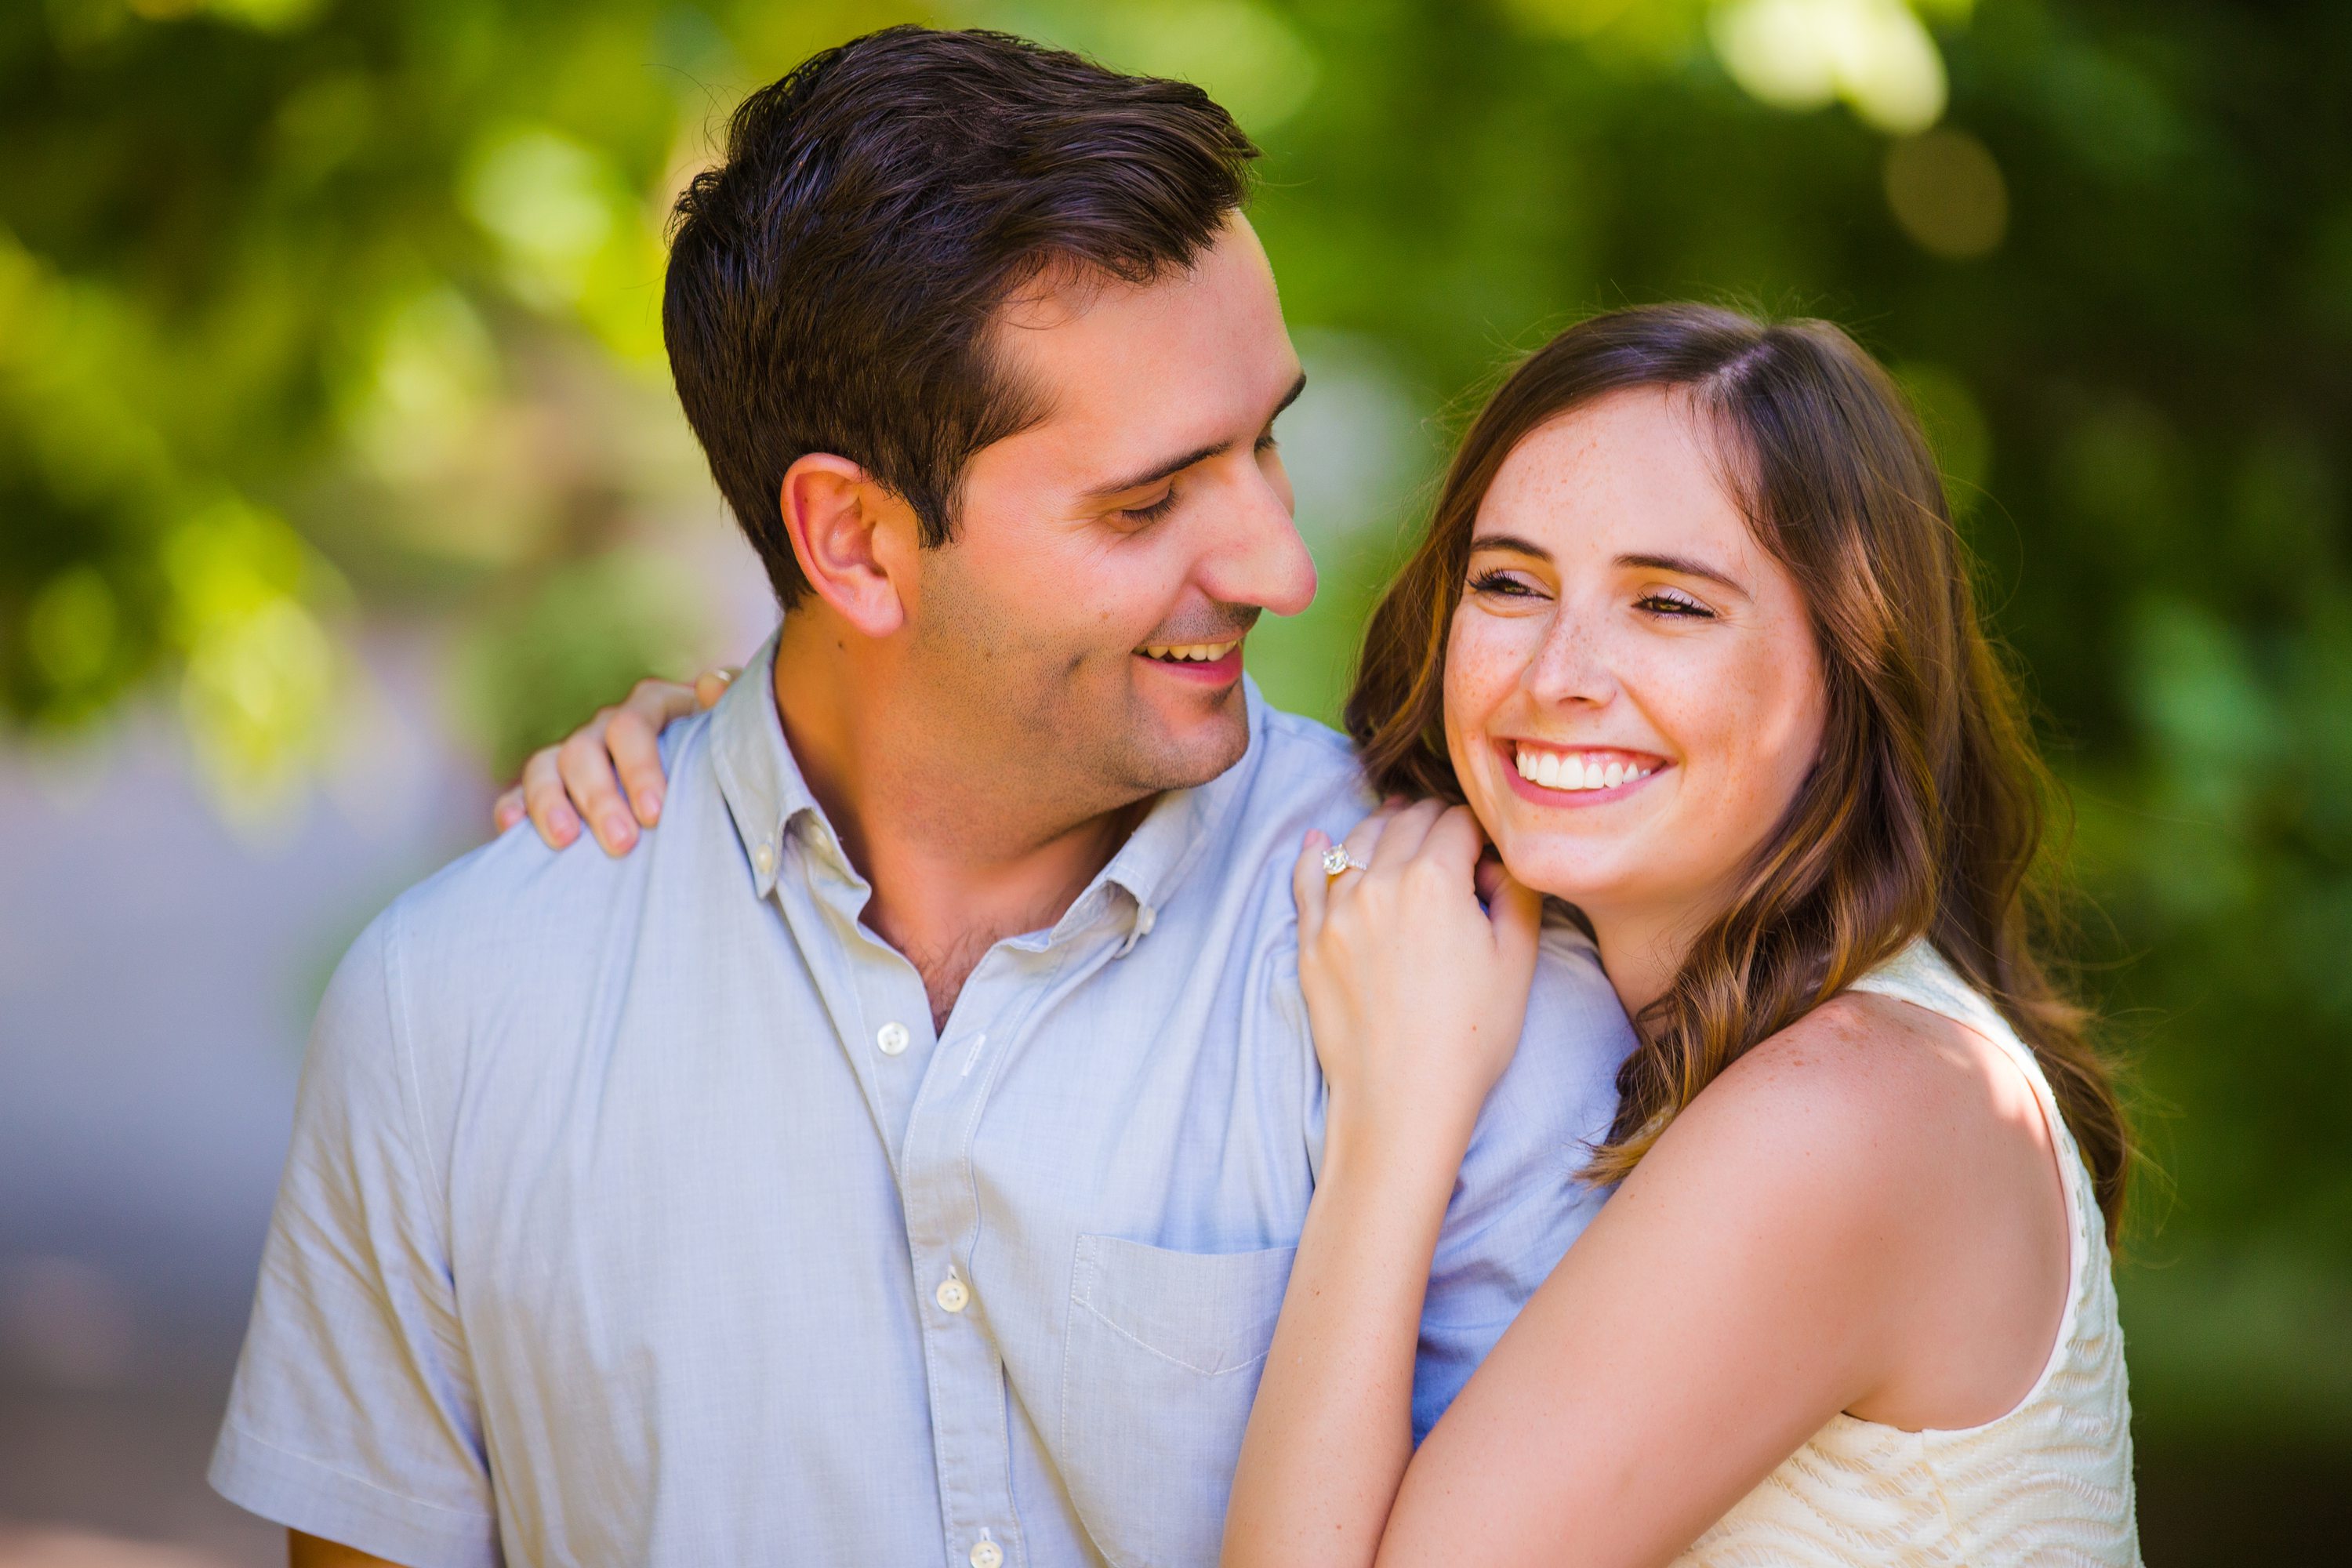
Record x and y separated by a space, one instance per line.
967 1399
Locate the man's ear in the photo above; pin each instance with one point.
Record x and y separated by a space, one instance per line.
853 538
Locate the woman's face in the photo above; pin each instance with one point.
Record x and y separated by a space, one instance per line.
1633 691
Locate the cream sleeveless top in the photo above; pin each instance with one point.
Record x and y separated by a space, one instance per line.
2048 1483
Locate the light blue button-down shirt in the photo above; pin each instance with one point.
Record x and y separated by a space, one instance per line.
636 1214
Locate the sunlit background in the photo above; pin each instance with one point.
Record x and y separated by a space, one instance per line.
339 466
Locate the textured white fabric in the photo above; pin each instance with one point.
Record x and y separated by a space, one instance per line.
2048 1483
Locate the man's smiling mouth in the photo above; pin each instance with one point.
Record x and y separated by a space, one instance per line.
1189 652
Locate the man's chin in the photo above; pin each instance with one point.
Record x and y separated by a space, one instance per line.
1188 752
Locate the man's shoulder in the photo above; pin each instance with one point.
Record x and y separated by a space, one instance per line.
1294 739
1571 998
1303 771
514 914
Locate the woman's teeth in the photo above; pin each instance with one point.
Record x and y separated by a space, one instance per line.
1192 652
1553 770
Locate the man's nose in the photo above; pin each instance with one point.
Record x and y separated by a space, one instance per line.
1258 558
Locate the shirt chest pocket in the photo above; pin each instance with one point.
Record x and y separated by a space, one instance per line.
1157 1373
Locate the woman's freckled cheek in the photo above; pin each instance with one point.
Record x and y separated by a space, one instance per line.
1768 727
1479 670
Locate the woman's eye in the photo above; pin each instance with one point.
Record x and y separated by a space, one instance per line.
1500 583
1665 601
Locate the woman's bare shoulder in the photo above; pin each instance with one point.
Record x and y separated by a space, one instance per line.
1872 1106
1885 1064
1904 1158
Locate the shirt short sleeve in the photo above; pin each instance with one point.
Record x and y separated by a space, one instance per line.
353 1416
1521 1199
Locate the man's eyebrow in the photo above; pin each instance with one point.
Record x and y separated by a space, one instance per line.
1682 565
1160 471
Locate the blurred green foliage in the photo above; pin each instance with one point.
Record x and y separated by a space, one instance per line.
313 310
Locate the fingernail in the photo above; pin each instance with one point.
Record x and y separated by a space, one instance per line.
619 831
653 806
565 828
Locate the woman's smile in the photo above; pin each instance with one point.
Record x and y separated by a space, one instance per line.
1552 773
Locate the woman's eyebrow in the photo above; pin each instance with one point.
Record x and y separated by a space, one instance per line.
1512 542
1682 565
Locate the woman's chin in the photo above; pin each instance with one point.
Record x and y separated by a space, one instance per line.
1573 872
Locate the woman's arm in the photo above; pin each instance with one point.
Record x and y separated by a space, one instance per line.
1332 1428
1416 996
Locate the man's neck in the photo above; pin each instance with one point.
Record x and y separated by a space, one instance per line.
952 872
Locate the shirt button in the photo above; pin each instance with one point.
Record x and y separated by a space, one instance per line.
891 1038
987 1554
764 857
954 1297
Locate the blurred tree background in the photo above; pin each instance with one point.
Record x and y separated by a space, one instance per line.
315 311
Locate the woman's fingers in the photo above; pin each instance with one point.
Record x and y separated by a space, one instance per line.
544 800
634 747
586 768
632 736
1454 840
609 771
1310 886
1515 911
1362 843
508 809
1402 840
711 685
1488 878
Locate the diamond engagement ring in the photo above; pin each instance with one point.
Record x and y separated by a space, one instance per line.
1338 858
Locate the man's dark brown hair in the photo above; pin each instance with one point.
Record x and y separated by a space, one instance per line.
833 281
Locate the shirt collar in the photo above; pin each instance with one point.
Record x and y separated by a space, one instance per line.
1165 847
765 793
762 784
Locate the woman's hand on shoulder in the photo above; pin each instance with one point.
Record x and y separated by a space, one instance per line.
1415 992
608 772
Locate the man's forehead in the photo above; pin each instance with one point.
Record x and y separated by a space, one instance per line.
1119 370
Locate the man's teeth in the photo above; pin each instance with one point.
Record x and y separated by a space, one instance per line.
1553 770
1192 652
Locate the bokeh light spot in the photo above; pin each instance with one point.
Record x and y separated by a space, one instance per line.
260 668
1801 54
551 203
1947 194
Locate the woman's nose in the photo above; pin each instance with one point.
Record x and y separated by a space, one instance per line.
1571 668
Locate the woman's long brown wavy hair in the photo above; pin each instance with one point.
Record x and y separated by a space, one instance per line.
1925 812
